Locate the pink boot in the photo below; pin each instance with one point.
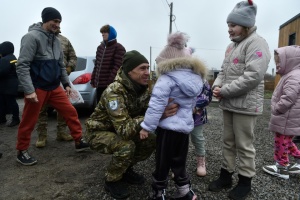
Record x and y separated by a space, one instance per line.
201 169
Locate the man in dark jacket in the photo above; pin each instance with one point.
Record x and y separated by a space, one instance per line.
8 84
108 60
40 70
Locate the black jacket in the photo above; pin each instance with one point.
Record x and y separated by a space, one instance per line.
8 75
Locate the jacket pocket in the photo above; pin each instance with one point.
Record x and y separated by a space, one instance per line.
240 102
46 74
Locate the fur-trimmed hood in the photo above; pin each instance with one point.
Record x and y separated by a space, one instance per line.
180 79
193 63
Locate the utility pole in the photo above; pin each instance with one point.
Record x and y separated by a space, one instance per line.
150 58
171 17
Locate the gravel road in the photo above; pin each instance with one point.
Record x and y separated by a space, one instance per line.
61 173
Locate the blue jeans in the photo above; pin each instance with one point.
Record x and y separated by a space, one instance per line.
198 140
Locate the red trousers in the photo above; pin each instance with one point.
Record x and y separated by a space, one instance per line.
58 99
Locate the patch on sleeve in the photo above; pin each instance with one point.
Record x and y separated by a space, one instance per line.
259 54
113 104
236 61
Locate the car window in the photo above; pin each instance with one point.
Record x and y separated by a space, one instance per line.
81 64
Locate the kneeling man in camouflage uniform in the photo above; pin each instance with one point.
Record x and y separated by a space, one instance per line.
114 126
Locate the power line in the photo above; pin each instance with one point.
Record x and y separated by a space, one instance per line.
168 3
175 24
164 4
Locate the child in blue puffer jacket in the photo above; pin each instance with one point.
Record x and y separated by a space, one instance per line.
180 77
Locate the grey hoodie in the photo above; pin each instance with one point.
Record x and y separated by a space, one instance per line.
40 64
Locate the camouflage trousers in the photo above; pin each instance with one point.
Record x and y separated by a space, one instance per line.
125 153
43 122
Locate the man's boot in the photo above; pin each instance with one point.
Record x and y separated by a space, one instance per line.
63 136
41 128
117 190
224 181
242 189
132 177
41 141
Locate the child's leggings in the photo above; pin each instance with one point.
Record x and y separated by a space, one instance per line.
284 147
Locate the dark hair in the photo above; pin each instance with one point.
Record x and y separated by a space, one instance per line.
104 29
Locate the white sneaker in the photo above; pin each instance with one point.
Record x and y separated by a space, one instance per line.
277 170
294 169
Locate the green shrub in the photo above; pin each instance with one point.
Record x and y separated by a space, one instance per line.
268 94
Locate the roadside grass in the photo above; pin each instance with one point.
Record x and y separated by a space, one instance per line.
268 94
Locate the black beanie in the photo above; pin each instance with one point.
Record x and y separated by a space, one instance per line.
6 48
50 14
131 60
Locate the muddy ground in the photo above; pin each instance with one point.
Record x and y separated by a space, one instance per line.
61 173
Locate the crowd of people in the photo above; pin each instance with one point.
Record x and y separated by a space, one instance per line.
132 120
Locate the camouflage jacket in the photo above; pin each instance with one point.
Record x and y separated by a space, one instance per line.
120 109
70 58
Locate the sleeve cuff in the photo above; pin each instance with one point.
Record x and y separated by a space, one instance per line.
66 85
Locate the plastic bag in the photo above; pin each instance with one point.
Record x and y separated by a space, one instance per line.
75 96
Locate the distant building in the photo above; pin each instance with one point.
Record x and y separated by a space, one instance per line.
289 34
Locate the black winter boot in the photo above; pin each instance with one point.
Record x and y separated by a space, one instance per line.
117 190
132 177
242 189
158 195
189 196
224 181
184 193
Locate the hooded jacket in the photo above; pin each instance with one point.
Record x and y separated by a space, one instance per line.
109 57
285 102
40 64
180 79
8 75
242 75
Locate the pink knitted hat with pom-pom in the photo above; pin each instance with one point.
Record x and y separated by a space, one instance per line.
175 48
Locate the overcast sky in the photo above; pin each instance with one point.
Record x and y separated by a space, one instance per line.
142 24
